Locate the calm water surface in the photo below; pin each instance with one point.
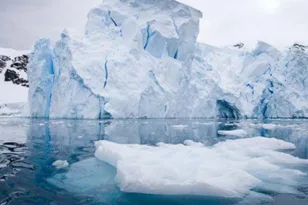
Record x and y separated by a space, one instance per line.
29 147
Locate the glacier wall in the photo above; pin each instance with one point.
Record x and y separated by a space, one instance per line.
41 76
260 83
140 59
71 97
121 67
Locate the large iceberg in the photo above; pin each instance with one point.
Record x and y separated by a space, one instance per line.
133 61
140 59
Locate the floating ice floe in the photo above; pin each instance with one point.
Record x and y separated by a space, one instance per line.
236 133
265 126
228 169
274 126
179 127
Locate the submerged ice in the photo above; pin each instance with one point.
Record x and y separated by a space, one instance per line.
195 169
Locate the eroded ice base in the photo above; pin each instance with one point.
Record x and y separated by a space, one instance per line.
229 169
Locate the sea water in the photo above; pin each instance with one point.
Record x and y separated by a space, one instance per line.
28 149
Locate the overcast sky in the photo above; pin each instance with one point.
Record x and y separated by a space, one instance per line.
225 22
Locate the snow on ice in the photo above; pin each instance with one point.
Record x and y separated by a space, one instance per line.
195 169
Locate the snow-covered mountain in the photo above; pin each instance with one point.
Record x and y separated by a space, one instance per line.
13 81
140 59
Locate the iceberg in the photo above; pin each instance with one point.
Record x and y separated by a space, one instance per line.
235 133
195 169
140 59
258 83
131 48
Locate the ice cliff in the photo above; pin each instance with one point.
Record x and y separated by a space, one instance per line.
140 59
258 83
133 61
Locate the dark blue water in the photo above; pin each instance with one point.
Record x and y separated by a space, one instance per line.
29 147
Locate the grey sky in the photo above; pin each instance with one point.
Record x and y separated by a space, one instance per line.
225 22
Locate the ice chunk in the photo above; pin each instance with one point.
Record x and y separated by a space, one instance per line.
236 133
269 126
60 164
229 169
180 127
193 144
265 126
